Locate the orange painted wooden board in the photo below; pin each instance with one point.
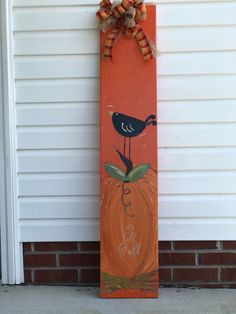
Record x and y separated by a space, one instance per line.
128 234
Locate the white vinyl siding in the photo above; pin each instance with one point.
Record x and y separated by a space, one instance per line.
56 45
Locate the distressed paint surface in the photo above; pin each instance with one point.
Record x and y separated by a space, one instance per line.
129 246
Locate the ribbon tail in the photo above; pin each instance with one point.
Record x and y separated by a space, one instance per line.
146 47
109 44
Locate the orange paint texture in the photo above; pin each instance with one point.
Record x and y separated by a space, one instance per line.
128 234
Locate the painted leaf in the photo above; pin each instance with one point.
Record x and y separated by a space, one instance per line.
115 172
138 172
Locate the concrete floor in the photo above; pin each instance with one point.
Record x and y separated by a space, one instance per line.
70 300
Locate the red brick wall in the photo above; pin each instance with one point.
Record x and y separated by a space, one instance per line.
182 263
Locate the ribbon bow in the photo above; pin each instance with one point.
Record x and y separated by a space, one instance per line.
123 18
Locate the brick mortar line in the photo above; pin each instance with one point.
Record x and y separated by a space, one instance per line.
32 275
78 274
198 282
60 267
61 252
91 252
89 285
219 274
194 266
51 268
193 283
89 267
172 274
199 251
57 260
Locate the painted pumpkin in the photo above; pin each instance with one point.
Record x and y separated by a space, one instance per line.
128 214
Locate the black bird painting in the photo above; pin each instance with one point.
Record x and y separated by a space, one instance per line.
129 127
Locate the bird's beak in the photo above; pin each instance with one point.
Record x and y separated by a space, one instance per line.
110 113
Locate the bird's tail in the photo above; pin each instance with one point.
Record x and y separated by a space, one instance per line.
151 120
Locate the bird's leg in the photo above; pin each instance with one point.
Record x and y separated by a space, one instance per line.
124 145
129 148
127 161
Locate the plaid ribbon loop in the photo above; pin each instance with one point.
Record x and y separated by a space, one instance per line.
123 18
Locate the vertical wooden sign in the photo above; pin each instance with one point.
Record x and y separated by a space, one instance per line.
128 234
